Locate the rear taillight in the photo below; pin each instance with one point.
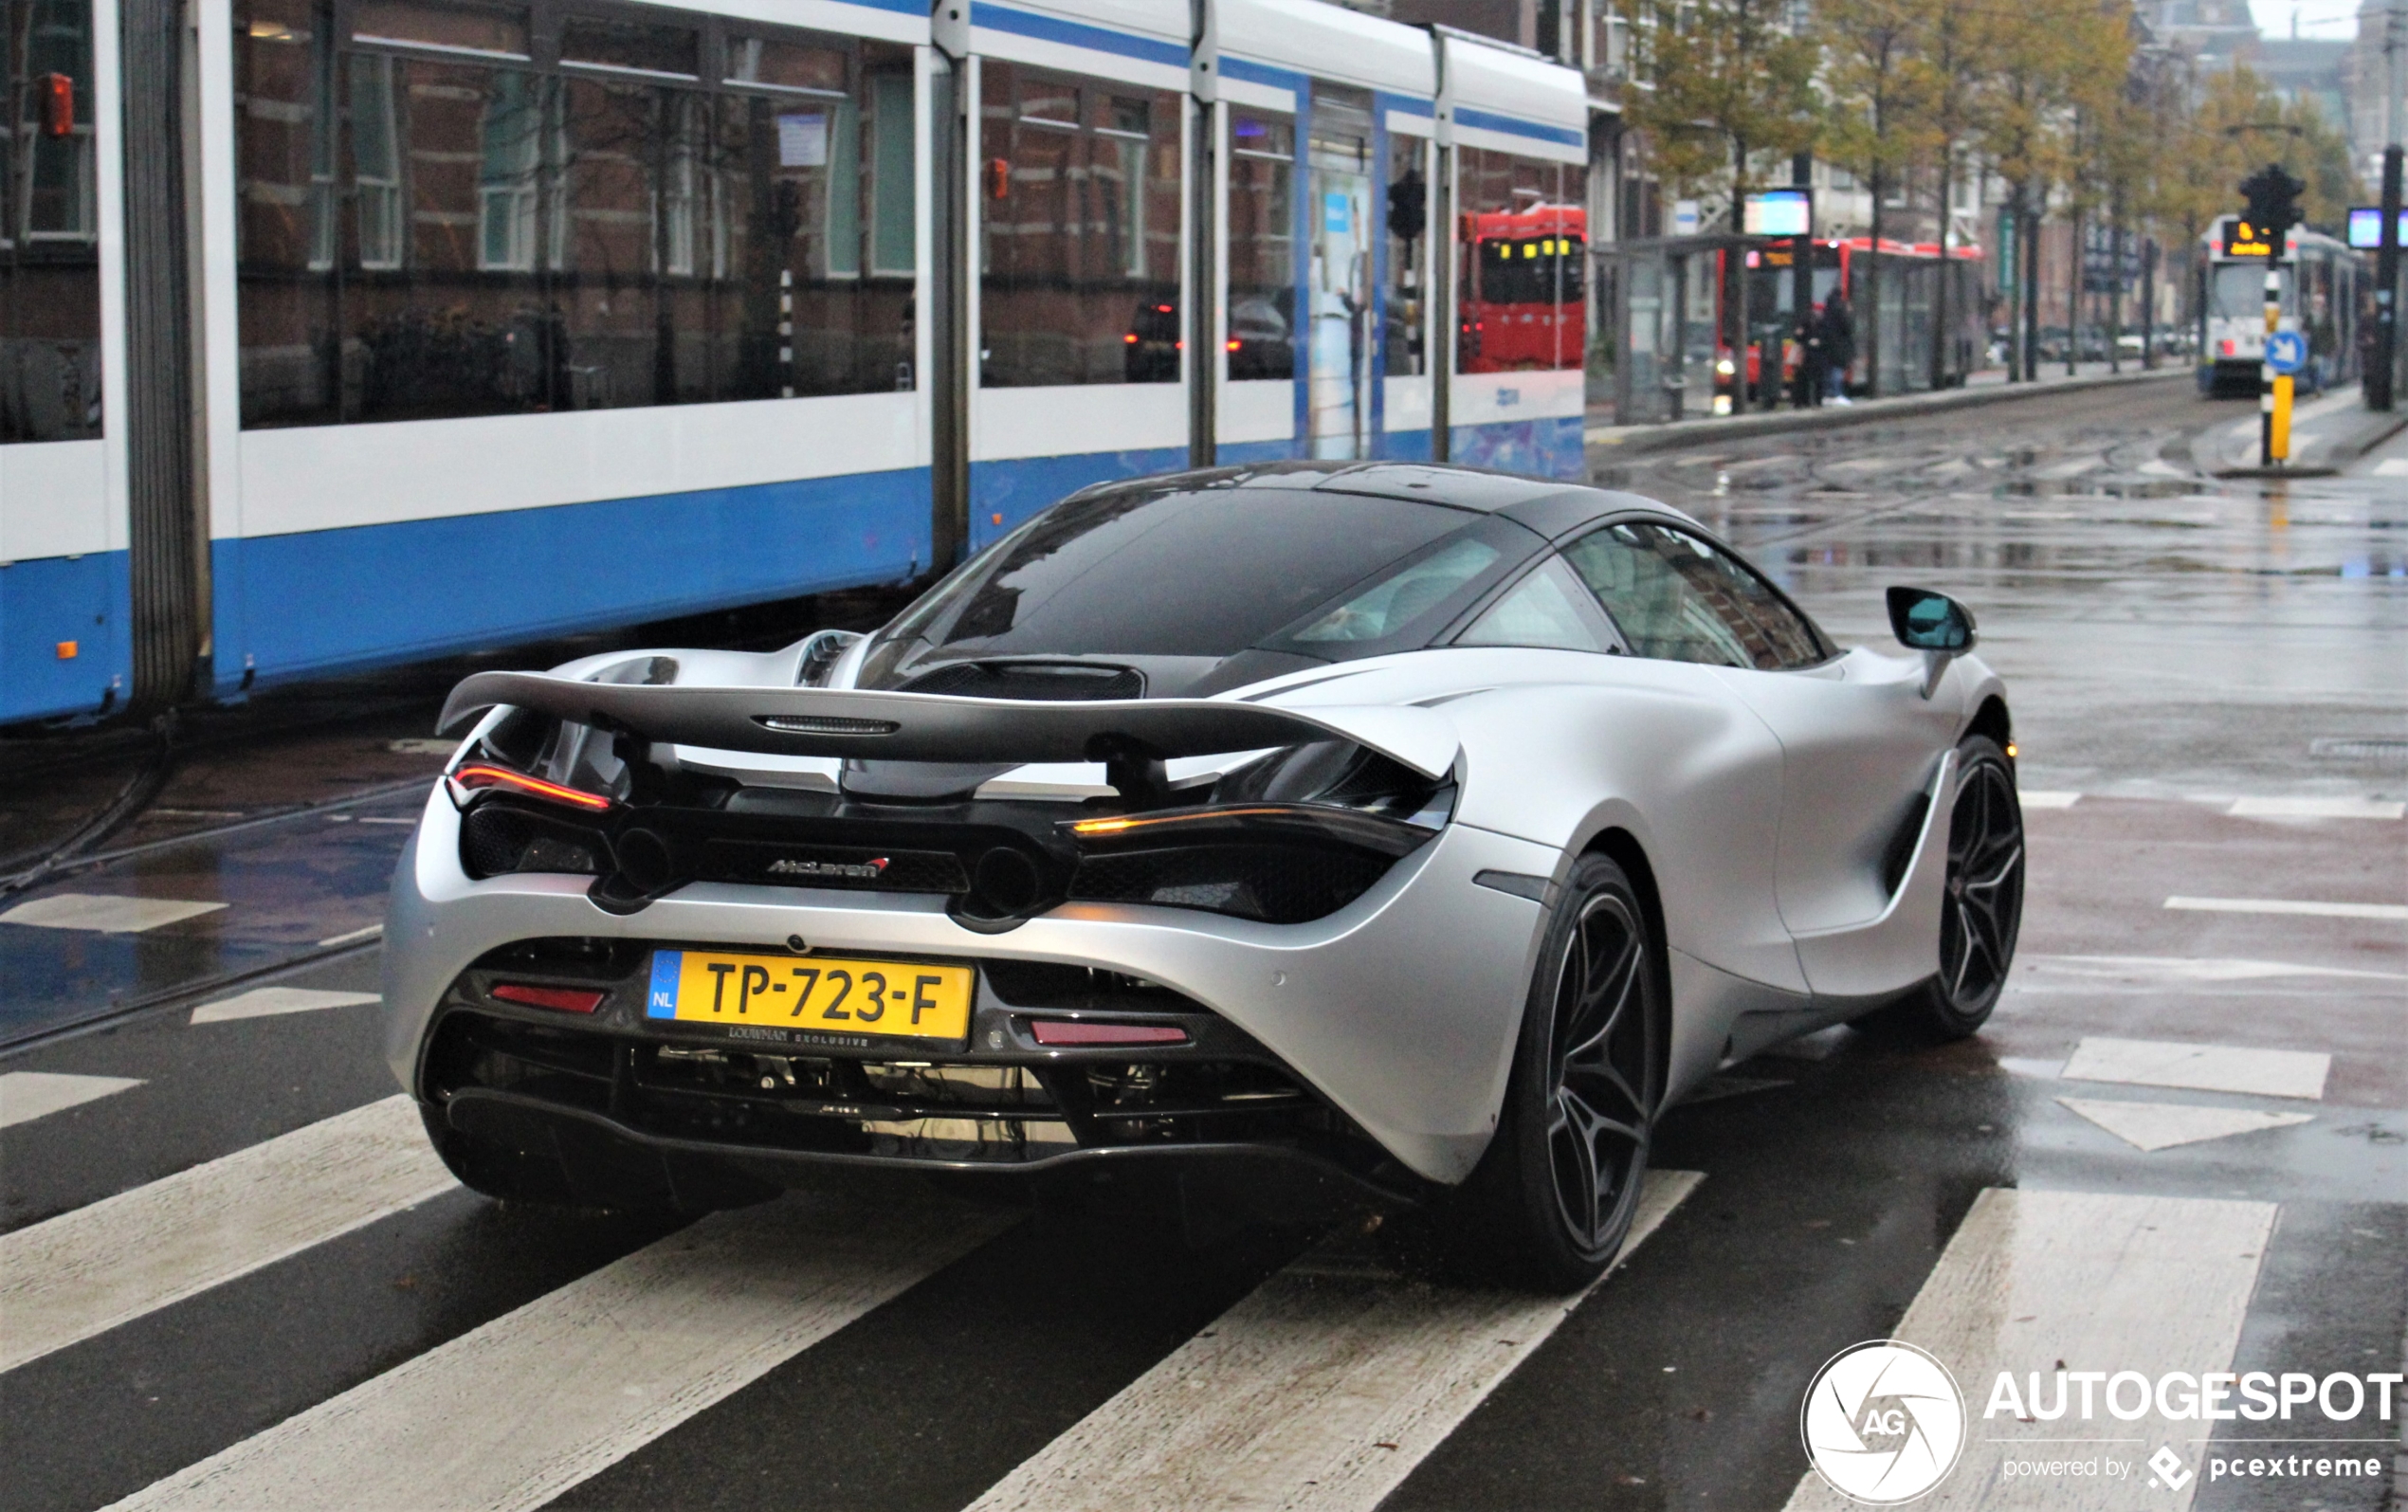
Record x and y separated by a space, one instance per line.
477 776
563 999
1081 1031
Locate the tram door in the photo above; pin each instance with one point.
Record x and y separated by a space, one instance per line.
1341 231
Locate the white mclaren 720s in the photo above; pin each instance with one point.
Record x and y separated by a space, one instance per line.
1309 833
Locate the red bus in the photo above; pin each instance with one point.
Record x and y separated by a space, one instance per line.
1523 279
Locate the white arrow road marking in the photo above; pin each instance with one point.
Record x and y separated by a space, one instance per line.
73 1276
2202 1067
2104 1282
1322 1390
266 1002
2316 809
2188 969
2153 1126
103 914
2284 905
28 1095
510 1415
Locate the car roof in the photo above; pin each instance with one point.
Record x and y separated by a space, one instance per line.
1549 506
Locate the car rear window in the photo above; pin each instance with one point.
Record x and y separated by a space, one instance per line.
1204 572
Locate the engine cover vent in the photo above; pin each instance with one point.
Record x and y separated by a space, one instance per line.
1046 682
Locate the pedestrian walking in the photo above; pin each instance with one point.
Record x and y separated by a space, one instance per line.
1839 344
1812 364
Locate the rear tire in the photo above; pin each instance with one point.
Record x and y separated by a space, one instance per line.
1981 906
1550 1203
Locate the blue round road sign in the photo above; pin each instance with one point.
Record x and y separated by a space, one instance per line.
2286 351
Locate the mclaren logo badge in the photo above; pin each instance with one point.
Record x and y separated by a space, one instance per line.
848 870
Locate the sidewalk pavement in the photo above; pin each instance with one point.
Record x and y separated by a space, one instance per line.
2327 434
1986 388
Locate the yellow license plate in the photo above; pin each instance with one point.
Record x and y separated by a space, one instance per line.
811 998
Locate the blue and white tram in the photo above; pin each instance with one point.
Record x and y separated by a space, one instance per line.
486 320
2322 280
65 586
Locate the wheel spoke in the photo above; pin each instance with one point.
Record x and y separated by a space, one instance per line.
1597 1085
1964 961
1580 1202
1615 997
1998 875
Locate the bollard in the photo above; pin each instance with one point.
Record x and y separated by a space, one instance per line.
2278 434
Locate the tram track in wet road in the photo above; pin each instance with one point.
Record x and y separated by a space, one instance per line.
2203 1029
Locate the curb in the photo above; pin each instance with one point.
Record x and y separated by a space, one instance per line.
2373 427
1626 441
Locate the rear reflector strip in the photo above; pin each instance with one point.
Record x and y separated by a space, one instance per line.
566 1000
1073 1032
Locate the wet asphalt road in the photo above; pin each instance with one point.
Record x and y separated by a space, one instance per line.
2177 649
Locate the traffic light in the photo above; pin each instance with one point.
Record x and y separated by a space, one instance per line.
2273 205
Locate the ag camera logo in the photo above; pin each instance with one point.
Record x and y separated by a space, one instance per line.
1883 1422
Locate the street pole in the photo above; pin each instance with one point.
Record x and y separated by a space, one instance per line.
2378 382
2148 302
1801 276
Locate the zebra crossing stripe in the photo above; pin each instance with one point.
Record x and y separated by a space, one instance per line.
511 1414
68 1278
2101 1282
1322 1390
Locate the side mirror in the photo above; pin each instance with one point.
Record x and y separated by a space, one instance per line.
1934 624
1926 621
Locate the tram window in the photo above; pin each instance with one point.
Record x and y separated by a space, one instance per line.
498 31
1521 244
1408 253
1079 232
477 235
49 251
776 64
2238 291
1262 247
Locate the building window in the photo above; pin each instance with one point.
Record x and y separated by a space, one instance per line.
50 224
1079 230
643 223
1522 246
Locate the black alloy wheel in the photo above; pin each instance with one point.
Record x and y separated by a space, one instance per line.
1601 1062
1980 906
1553 1198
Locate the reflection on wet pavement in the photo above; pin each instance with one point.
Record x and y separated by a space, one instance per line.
283 890
2165 633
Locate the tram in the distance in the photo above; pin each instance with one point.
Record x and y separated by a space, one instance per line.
475 321
2323 282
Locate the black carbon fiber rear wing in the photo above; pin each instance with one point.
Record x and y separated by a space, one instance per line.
926 727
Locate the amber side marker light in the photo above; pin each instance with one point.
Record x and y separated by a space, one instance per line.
476 777
2011 752
1114 827
566 1000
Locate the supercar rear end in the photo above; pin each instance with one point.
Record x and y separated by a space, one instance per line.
701 1059
1290 837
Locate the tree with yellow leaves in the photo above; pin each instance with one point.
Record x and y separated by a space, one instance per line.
1880 87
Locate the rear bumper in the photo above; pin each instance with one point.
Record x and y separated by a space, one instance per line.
603 1162
1399 1010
